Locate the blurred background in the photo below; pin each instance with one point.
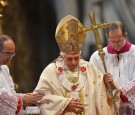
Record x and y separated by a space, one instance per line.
32 24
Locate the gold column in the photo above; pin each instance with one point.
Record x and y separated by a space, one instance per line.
3 3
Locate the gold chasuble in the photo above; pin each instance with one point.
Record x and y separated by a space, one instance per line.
89 89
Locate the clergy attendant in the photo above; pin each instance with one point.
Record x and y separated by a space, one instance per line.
11 103
71 85
120 61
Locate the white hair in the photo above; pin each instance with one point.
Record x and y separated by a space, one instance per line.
63 54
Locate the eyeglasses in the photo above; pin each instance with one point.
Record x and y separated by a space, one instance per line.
8 54
118 42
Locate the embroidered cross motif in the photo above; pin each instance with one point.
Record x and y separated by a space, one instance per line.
83 69
74 87
60 69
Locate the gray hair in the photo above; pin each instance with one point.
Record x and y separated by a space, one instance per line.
4 38
62 53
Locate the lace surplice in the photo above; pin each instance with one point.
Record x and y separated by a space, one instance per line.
8 96
8 103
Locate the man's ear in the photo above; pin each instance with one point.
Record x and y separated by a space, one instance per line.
126 35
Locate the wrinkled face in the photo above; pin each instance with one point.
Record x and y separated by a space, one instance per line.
117 39
7 52
71 60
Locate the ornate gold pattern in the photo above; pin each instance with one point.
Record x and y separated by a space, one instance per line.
73 77
69 35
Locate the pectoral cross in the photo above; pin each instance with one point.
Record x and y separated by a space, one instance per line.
94 27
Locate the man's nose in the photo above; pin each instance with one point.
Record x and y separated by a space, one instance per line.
73 61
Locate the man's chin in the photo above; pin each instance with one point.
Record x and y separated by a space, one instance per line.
5 63
73 69
117 49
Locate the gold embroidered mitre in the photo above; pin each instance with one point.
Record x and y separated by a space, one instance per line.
69 35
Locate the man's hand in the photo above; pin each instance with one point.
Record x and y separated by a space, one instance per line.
74 106
107 79
31 98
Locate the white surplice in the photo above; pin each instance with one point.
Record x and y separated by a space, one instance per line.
8 96
53 82
123 70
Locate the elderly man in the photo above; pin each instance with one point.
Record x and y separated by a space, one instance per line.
11 103
120 62
71 85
